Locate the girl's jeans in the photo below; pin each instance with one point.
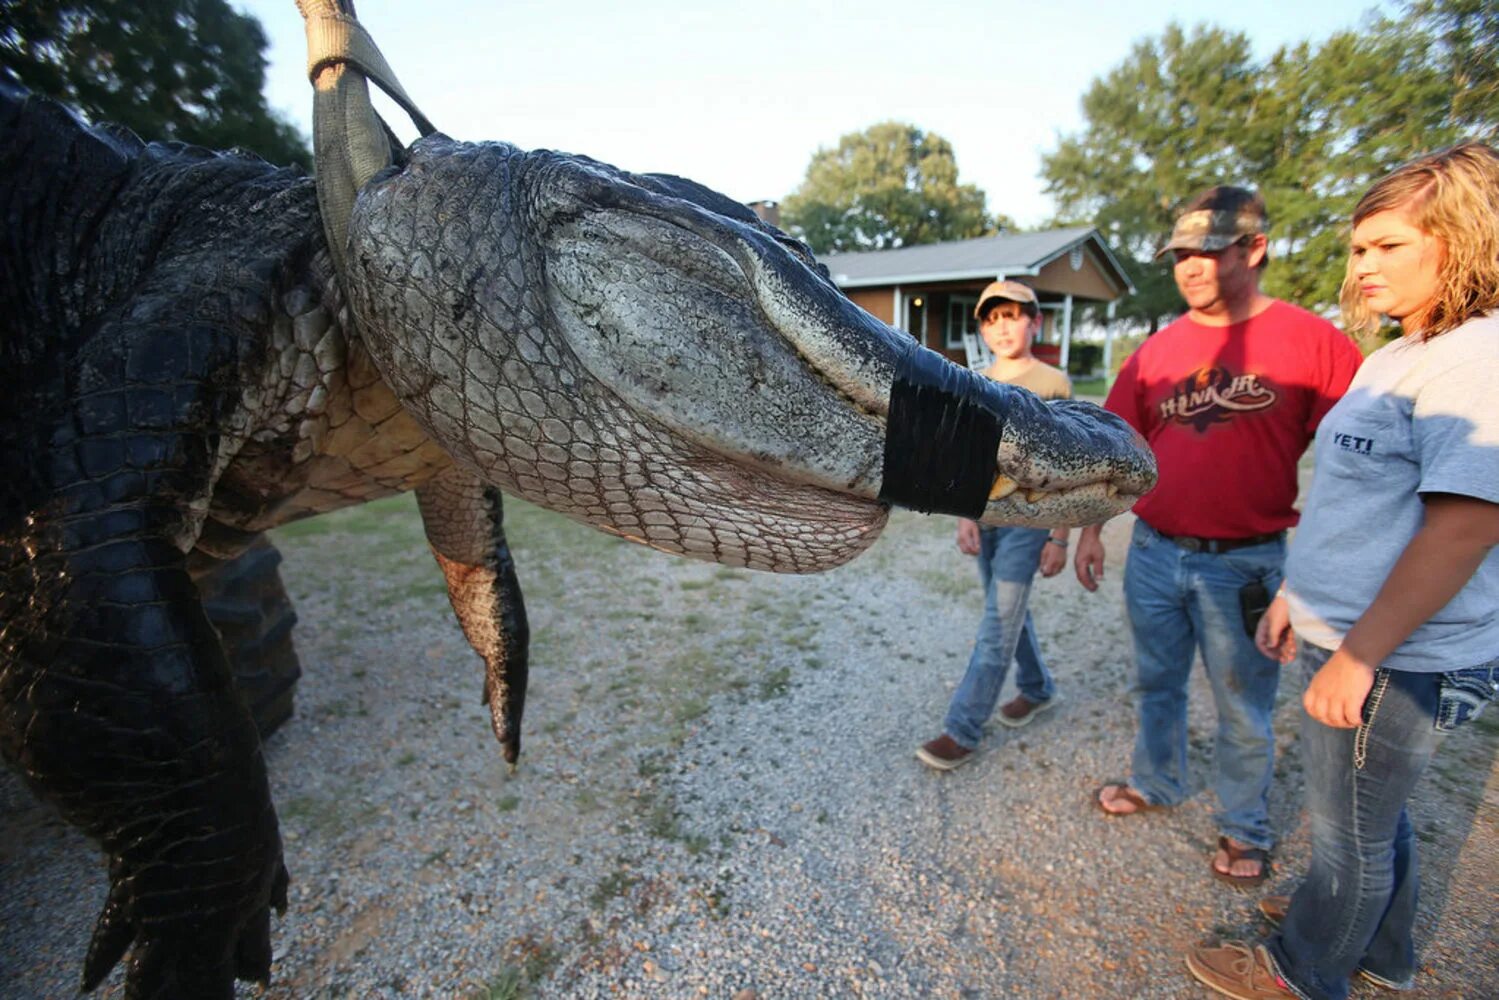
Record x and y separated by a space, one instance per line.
1180 602
1007 561
1357 905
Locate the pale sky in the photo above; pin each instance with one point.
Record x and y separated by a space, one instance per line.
740 96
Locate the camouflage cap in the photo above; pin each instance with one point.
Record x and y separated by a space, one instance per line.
1219 217
1010 291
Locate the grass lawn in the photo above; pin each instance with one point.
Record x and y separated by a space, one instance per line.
1090 387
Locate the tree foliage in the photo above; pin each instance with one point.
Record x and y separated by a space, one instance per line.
891 185
1310 126
191 70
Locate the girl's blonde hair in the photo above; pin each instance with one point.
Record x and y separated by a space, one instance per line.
1452 195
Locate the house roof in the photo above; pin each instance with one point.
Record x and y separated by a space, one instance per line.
988 257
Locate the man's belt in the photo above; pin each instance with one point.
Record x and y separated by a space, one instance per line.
1214 546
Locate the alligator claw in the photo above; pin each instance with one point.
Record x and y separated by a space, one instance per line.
113 933
502 717
194 954
252 953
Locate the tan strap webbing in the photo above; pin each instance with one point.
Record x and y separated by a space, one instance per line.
350 142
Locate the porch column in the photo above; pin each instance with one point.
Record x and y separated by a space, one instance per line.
897 308
1066 329
1108 344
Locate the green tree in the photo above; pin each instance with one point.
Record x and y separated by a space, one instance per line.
1310 126
1338 117
1166 122
891 185
191 70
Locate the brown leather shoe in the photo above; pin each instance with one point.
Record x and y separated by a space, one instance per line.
944 753
1021 711
1238 970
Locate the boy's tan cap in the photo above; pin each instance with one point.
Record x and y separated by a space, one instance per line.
1010 291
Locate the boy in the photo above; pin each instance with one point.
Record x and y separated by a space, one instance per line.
1009 318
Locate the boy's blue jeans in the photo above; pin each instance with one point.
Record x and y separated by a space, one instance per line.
1007 562
1357 905
1179 602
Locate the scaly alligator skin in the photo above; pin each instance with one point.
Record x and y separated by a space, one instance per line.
178 372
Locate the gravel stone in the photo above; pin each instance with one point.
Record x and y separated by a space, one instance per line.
718 797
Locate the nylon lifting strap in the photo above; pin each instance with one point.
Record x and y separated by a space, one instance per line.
350 141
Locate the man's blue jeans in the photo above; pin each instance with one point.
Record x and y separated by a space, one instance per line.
1179 602
1357 905
1007 561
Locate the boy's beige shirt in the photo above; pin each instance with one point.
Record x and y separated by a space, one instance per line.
1042 379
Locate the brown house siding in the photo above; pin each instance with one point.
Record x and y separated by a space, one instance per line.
1087 282
878 302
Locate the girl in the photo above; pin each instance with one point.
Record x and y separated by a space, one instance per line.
1391 600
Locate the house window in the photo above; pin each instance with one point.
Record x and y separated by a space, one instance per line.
959 320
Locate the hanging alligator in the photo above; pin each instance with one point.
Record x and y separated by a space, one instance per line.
185 363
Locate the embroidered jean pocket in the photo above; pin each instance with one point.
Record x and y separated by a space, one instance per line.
1464 694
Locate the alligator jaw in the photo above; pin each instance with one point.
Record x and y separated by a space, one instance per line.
643 356
804 350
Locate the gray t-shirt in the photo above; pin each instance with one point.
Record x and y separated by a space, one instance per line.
1418 418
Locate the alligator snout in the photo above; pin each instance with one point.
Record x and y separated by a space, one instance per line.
959 443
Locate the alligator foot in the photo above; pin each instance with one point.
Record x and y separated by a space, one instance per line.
196 954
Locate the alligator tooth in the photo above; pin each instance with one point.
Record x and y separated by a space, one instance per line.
1112 491
1003 487
1034 496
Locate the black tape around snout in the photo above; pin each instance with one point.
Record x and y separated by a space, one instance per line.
941 436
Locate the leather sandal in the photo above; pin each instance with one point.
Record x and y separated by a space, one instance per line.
1241 854
1123 791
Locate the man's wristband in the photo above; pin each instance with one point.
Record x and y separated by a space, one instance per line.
1057 541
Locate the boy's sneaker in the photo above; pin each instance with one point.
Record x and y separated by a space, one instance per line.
944 753
1021 711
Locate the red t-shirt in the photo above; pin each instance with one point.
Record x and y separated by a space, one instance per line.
1228 411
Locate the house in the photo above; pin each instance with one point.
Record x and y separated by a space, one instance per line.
930 291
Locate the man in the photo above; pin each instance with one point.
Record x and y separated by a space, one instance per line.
1009 318
1228 396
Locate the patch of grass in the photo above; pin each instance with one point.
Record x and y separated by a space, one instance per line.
649 767
330 815
801 639
406 759
507 984
538 958
775 684
507 803
716 896
612 886
1090 387
948 584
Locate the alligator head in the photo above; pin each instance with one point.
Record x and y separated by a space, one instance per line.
643 355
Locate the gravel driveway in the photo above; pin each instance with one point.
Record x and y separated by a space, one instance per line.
717 795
